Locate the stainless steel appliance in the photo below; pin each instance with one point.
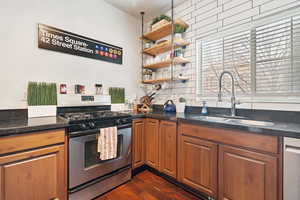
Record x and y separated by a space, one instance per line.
291 174
89 176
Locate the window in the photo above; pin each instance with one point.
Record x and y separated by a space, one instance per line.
264 60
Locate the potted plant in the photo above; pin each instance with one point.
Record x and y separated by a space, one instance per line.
159 21
41 99
178 31
181 105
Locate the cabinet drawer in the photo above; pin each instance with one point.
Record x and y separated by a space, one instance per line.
258 142
30 141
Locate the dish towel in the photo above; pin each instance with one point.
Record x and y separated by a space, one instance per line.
107 143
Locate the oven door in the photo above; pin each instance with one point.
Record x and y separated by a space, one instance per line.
84 162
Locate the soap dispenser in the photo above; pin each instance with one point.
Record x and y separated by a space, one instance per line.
204 109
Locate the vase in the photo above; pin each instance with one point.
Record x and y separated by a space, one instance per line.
181 107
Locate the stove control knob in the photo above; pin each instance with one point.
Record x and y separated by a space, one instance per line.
92 125
118 122
83 126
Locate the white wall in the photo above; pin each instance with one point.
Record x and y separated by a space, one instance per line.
21 60
214 18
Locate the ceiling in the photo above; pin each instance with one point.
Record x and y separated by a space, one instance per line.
152 8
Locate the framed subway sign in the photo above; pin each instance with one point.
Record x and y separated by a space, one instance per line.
55 39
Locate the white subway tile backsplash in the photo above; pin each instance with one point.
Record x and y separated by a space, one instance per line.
203 3
206 15
260 2
183 6
242 16
206 8
220 2
276 106
204 26
234 26
236 10
235 3
276 4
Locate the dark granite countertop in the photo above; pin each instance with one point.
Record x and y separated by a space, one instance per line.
277 128
9 127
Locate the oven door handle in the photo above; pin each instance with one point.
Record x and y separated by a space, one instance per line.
125 126
96 131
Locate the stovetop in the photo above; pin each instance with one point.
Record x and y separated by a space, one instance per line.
85 122
97 115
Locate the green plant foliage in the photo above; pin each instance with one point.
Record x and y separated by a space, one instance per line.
41 94
117 95
179 29
161 17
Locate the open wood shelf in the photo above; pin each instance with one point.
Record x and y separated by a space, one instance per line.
177 61
157 81
163 80
164 30
164 47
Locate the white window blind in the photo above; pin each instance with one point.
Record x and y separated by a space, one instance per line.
230 54
212 66
274 73
264 60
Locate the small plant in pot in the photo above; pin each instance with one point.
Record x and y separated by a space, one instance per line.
41 99
178 31
181 105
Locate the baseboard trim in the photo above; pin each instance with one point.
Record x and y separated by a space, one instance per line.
139 170
171 180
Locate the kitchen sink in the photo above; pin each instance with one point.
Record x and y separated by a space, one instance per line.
232 117
211 118
253 122
233 120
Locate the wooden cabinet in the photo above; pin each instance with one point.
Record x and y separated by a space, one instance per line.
155 144
227 164
168 148
246 175
152 143
197 164
138 143
37 172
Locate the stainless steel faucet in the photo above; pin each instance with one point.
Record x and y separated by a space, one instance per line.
233 100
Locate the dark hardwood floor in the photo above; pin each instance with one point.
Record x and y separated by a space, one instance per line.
148 186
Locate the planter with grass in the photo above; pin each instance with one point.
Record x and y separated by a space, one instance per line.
41 99
117 98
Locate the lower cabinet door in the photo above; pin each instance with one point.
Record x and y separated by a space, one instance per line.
168 148
34 175
246 175
152 143
138 143
197 164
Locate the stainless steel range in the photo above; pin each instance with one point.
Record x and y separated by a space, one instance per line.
89 176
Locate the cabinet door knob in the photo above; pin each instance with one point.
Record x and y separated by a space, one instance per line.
55 198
